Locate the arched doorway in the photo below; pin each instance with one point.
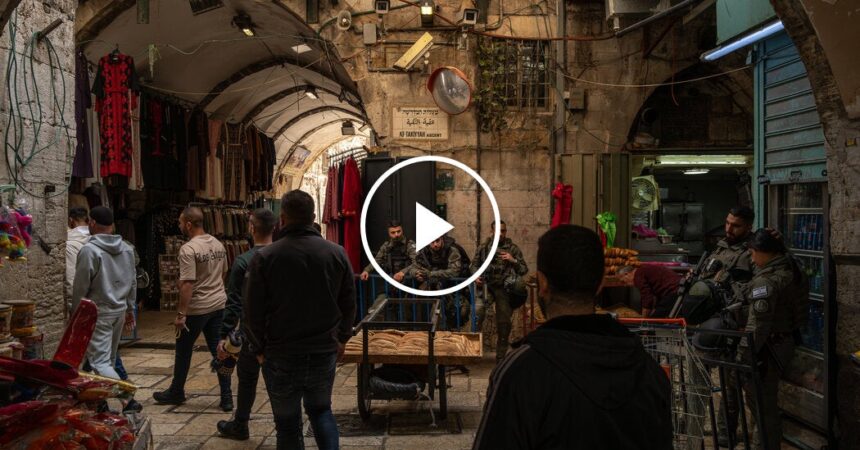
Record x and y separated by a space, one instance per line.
254 67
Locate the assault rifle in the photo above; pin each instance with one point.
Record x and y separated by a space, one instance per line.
691 278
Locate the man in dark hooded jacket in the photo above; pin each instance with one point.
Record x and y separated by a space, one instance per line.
580 381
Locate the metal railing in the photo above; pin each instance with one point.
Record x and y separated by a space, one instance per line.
465 302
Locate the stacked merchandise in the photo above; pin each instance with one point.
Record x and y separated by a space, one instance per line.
616 258
397 342
168 273
19 337
48 404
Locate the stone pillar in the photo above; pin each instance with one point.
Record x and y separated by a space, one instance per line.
44 179
843 169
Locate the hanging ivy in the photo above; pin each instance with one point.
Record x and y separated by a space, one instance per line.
491 99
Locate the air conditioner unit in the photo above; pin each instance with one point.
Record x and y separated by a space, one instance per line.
615 9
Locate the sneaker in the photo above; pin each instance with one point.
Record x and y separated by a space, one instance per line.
233 429
133 406
167 397
226 403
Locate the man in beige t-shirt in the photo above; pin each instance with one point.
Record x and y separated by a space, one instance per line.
202 268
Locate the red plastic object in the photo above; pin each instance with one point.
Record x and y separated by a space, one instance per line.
78 333
19 418
52 373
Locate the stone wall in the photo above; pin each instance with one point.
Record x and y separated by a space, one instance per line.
843 168
515 163
43 181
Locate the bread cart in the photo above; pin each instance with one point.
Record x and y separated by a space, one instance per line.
408 316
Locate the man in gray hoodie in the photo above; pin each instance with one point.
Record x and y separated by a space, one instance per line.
105 274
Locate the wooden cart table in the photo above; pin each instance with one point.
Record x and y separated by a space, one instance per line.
416 316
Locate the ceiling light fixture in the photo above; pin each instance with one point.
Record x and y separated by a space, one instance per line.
311 92
243 22
743 41
696 171
428 9
702 160
347 129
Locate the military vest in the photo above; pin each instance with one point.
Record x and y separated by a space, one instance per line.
398 258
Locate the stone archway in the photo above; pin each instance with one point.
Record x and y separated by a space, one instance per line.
821 31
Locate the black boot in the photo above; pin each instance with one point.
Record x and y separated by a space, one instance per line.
233 429
226 393
167 397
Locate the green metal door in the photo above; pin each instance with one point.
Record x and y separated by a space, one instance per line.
789 139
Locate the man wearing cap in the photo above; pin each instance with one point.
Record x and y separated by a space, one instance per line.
104 273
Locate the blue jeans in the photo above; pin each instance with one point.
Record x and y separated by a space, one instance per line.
292 379
210 326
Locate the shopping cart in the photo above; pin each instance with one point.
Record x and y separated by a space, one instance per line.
692 401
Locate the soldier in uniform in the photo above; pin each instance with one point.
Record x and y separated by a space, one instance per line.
435 265
395 256
777 298
508 264
732 252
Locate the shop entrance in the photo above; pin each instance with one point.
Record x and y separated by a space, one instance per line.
691 159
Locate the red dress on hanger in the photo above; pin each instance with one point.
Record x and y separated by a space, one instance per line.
351 212
115 77
563 195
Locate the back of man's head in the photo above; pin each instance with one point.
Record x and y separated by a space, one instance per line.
297 208
194 216
78 215
101 220
571 259
264 222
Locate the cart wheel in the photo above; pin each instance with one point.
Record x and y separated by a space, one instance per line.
443 394
363 394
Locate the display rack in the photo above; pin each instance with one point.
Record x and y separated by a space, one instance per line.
800 210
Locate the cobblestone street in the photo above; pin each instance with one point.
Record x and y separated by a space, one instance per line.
192 425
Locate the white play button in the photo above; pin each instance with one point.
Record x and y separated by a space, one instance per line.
428 227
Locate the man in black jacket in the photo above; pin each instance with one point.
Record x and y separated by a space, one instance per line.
580 381
299 309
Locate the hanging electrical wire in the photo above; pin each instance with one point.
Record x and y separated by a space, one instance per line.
17 157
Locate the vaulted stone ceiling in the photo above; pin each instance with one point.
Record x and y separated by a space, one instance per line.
205 60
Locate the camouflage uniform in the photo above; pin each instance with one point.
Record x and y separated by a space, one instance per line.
393 256
731 256
438 267
777 304
494 278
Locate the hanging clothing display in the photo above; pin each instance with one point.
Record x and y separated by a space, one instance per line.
351 213
214 169
83 163
563 195
158 151
234 164
331 214
115 77
197 133
136 180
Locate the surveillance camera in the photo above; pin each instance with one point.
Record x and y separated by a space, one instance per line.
470 16
382 6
